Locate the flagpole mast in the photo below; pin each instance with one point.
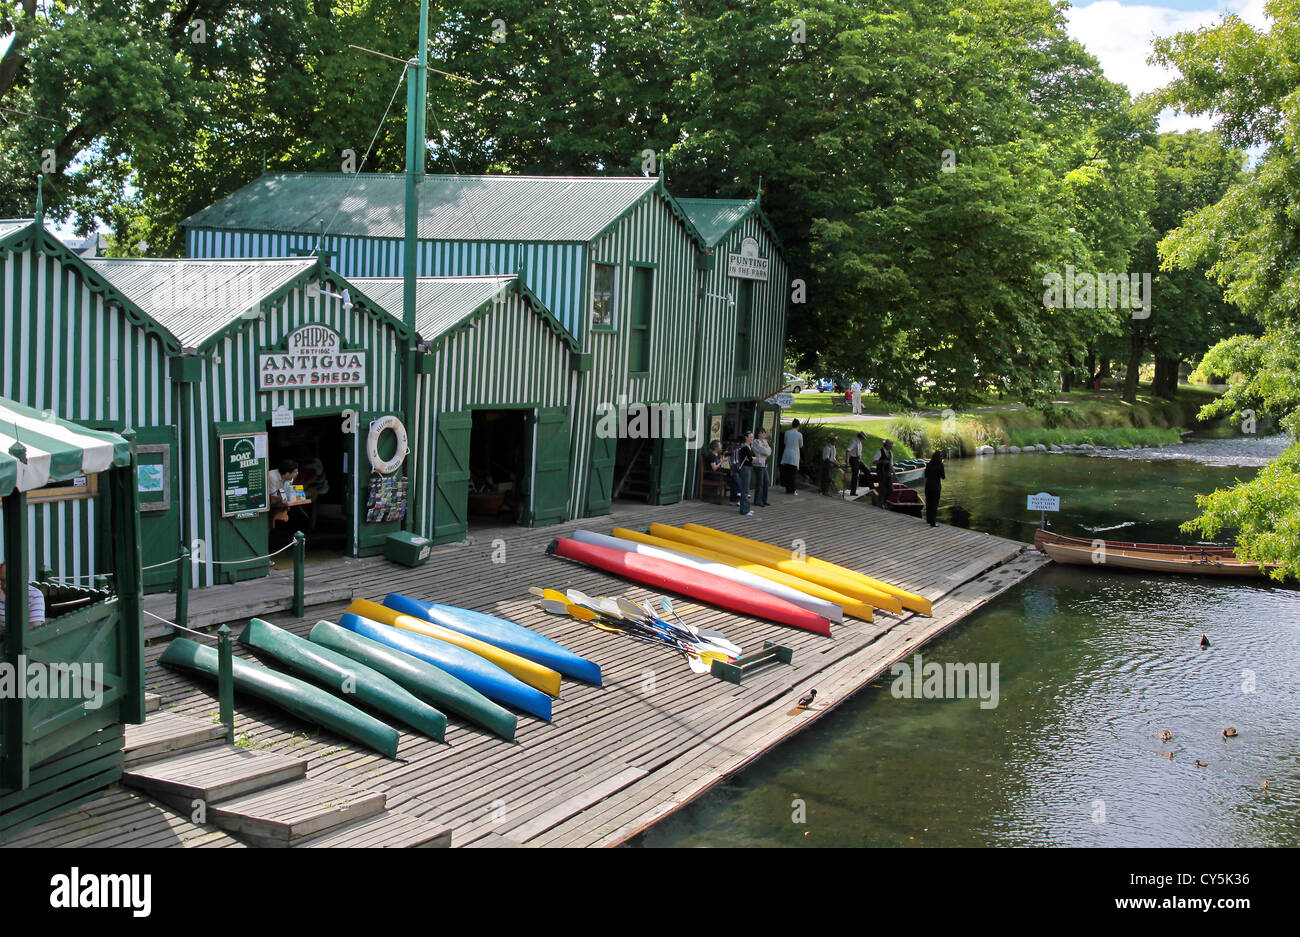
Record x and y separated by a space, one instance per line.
416 77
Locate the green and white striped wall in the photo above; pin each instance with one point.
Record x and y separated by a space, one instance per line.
71 345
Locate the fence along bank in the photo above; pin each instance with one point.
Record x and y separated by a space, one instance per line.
617 261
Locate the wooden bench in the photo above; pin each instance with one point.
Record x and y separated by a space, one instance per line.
840 402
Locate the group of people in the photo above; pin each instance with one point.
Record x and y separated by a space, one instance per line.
751 453
747 469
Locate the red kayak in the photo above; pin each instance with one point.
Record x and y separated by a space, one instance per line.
692 583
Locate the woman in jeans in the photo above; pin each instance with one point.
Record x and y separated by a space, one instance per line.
762 449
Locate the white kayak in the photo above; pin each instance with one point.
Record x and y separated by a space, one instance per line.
828 610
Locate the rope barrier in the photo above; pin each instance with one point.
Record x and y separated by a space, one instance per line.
251 559
197 634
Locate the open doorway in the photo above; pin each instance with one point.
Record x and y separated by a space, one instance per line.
498 467
318 446
632 481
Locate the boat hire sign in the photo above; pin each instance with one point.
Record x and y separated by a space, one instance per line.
747 265
313 356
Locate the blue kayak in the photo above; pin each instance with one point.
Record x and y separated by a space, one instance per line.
479 673
507 635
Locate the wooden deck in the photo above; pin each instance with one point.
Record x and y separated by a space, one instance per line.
618 758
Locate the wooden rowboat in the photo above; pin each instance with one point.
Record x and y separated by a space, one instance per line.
1160 558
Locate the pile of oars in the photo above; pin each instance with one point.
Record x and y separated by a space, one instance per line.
623 616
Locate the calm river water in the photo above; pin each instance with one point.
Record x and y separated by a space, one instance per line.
1092 667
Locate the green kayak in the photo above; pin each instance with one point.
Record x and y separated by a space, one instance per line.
423 679
344 676
305 701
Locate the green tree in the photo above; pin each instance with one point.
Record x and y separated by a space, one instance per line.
1249 79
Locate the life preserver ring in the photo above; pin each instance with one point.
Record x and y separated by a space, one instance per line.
386 466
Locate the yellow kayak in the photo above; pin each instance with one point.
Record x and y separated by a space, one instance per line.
535 675
910 600
785 564
851 605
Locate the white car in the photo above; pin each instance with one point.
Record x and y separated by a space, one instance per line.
795 384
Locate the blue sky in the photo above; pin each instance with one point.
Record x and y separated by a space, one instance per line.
1119 34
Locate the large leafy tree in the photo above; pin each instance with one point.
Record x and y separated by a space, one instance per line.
1250 79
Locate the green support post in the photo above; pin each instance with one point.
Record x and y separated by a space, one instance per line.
226 681
182 586
299 574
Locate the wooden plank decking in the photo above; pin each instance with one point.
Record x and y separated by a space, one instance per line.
617 758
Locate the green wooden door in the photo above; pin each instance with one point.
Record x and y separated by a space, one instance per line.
451 477
243 534
639 328
550 489
158 484
600 478
667 470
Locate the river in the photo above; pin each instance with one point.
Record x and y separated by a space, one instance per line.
1091 668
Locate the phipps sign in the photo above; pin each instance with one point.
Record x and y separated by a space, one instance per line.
313 356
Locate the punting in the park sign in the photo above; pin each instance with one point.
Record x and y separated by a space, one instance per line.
243 474
313 356
747 265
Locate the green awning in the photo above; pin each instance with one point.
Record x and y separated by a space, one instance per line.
55 450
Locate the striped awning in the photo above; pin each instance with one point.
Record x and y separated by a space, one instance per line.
56 450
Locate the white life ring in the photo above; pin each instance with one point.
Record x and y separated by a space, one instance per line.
389 466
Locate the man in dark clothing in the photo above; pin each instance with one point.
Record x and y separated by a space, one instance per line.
884 464
934 475
742 461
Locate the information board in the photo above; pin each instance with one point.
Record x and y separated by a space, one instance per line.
1043 502
243 474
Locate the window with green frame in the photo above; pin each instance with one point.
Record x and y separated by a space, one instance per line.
604 295
638 340
744 323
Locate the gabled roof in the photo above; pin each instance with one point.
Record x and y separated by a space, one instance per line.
9 225
56 450
716 218
444 304
457 208
196 300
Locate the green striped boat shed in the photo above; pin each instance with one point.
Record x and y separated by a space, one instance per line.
683 318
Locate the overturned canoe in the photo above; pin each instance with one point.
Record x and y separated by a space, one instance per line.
344 676
478 672
507 635
704 587
421 678
307 702
527 671
627 541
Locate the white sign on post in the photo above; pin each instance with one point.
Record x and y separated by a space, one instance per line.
1044 502
783 400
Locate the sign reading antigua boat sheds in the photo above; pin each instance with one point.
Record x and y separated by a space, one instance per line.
313 357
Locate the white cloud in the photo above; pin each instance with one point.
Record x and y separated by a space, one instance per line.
1120 35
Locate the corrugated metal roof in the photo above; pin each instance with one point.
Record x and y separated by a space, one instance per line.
195 299
456 208
715 217
441 303
9 225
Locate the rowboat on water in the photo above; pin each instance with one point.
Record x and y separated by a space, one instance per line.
1160 558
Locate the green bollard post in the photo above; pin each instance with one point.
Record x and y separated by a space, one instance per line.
182 587
299 574
226 681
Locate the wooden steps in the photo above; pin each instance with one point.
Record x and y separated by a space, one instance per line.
212 774
287 814
389 830
152 702
165 732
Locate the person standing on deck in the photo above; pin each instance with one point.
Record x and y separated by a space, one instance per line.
829 465
762 477
856 390
742 463
934 476
855 462
884 464
793 443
